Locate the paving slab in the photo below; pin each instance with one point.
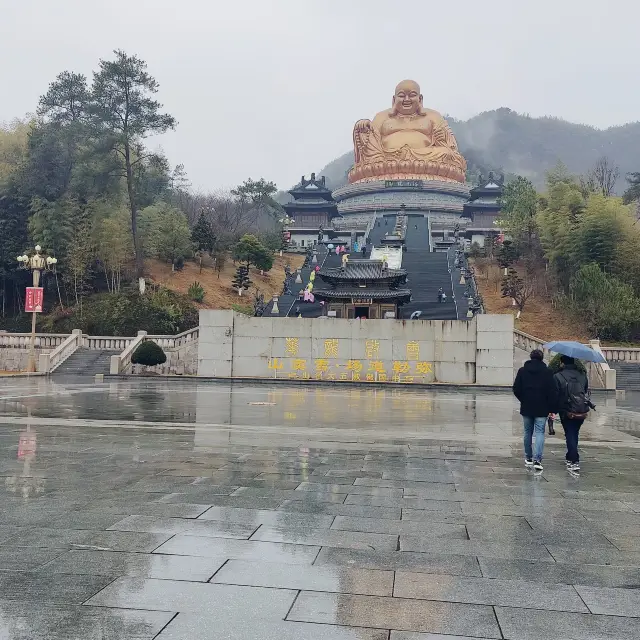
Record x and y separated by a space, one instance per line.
143 565
47 587
506 593
410 635
187 626
327 538
400 560
475 548
36 621
580 554
209 529
315 578
527 624
184 545
26 558
357 511
611 602
371 525
395 613
380 492
170 595
253 502
560 573
268 517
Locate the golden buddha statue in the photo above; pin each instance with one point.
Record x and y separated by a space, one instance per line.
406 142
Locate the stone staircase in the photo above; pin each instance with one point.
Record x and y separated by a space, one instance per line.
86 362
627 375
427 272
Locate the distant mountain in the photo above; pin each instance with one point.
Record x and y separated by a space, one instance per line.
503 140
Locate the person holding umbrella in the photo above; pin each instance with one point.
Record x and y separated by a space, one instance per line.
573 396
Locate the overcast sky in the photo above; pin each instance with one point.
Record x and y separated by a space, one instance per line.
271 88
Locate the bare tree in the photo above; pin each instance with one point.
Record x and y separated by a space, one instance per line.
602 178
513 286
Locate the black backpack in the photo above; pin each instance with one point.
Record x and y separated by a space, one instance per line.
578 403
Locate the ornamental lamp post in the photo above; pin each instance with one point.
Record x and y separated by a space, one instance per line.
36 263
286 222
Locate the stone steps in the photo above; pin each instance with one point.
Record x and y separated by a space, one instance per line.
86 362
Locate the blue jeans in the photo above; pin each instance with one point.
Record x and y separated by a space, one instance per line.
532 425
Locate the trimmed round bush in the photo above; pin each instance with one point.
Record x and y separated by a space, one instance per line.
148 354
554 364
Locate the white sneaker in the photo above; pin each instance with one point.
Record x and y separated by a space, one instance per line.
537 465
574 466
528 462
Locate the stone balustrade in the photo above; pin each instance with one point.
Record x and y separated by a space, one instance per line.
106 343
621 354
526 342
23 340
48 362
175 342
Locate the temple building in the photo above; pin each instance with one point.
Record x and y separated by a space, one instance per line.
363 289
483 209
313 210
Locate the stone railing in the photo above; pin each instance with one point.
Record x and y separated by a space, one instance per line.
49 362
122 363
105 343
621 354
526 342
605 375
370 226
23 340
175 342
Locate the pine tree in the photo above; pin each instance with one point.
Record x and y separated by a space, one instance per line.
203 236
241 279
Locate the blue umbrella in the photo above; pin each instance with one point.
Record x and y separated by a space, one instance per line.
575 350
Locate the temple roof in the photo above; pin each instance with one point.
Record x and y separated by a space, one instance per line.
362 270
490 189
314 188
362 294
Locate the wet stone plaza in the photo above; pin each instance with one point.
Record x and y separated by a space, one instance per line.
187 510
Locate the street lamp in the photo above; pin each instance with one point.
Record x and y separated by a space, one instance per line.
286 222
36 263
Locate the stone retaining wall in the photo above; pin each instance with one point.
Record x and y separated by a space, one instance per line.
479 351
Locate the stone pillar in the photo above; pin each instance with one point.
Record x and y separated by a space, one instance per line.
215 343
494 349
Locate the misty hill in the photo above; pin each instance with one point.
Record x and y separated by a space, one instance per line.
507 141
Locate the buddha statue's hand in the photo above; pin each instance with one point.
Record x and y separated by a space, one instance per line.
362 126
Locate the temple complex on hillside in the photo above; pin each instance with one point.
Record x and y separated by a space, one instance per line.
312 211
483 209
363 289
407 207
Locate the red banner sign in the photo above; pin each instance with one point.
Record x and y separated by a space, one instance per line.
34 300
26 444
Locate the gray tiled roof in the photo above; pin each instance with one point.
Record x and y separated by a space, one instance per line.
362 270
375 294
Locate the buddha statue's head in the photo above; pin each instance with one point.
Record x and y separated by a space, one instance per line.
407 99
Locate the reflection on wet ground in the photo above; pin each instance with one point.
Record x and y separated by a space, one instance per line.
183 510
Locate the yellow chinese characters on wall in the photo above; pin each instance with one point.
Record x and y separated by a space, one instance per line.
293 364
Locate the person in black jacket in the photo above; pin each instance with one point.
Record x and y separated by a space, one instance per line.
535 389
572 389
